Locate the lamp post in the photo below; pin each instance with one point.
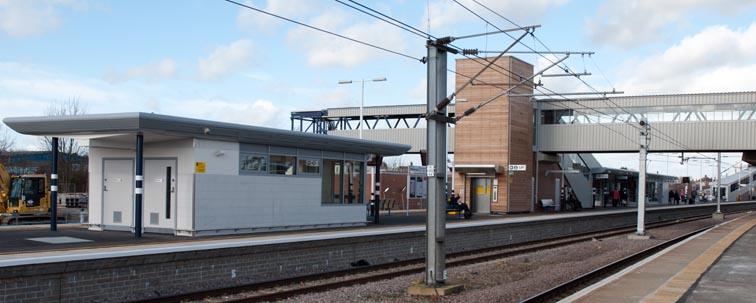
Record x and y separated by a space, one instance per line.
362 99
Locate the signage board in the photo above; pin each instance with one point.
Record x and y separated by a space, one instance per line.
199 167
517 167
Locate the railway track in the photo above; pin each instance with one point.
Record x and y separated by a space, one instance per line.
568 288
282 289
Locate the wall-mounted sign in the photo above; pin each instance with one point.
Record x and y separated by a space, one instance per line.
517 167
601 176
431 172
199 167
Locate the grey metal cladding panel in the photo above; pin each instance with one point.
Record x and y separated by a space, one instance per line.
255 148
262 135
585 138
658 101
665 136
280 150
351 156
63 125
193 128
333 155
309 153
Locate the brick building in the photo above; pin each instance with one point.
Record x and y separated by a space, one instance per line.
499 134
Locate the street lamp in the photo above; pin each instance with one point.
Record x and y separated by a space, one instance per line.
362 100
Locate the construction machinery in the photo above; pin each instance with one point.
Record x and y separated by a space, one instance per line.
23 197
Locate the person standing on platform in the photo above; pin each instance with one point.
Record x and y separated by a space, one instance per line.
615 197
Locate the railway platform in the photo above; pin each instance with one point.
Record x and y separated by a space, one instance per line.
718 265
20 239
92 265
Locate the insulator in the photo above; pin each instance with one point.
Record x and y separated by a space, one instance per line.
470 51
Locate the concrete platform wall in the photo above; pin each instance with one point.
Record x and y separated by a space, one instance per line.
151 276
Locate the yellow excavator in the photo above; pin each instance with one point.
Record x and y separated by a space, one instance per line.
24 197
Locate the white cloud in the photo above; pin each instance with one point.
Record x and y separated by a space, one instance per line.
33 82
630 23
716 59
338 97
420 91
32 17
226 59
326 50
445 13
254 21
258 112
163 69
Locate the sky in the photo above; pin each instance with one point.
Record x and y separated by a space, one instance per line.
211 59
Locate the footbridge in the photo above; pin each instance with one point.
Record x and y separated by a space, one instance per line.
709 122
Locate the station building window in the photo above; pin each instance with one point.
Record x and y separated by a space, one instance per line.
252 163
283 165
309 166
342 181
557 116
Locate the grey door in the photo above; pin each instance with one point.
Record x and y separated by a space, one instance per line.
480 194
118 193
159 193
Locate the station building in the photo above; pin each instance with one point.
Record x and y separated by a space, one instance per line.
205 178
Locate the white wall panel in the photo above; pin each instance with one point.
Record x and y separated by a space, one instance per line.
220 157
665 136
237 202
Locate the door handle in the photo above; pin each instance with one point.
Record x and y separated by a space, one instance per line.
104 188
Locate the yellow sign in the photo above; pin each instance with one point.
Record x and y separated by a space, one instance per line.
199 167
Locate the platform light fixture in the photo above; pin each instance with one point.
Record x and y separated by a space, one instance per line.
362 99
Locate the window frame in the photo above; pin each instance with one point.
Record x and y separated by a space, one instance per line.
301 171
254 172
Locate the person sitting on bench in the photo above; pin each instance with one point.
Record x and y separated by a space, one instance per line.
455 203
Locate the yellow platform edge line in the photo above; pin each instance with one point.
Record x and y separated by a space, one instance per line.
678 285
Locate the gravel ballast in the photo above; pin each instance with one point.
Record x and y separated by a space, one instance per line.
509 279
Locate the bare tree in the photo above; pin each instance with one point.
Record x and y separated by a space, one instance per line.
6 140
72 174
393 163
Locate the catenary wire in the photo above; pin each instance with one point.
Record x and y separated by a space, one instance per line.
662 135
420 33
567 68
325 31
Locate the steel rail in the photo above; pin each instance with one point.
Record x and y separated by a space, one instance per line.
563 290
416 266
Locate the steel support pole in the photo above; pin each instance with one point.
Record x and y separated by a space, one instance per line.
435 273
719 176
362 105
377 190
54 186
641 230
138 191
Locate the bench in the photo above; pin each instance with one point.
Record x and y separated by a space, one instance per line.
387 205
546 203
455 209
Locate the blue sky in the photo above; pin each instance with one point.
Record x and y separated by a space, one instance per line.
214 60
